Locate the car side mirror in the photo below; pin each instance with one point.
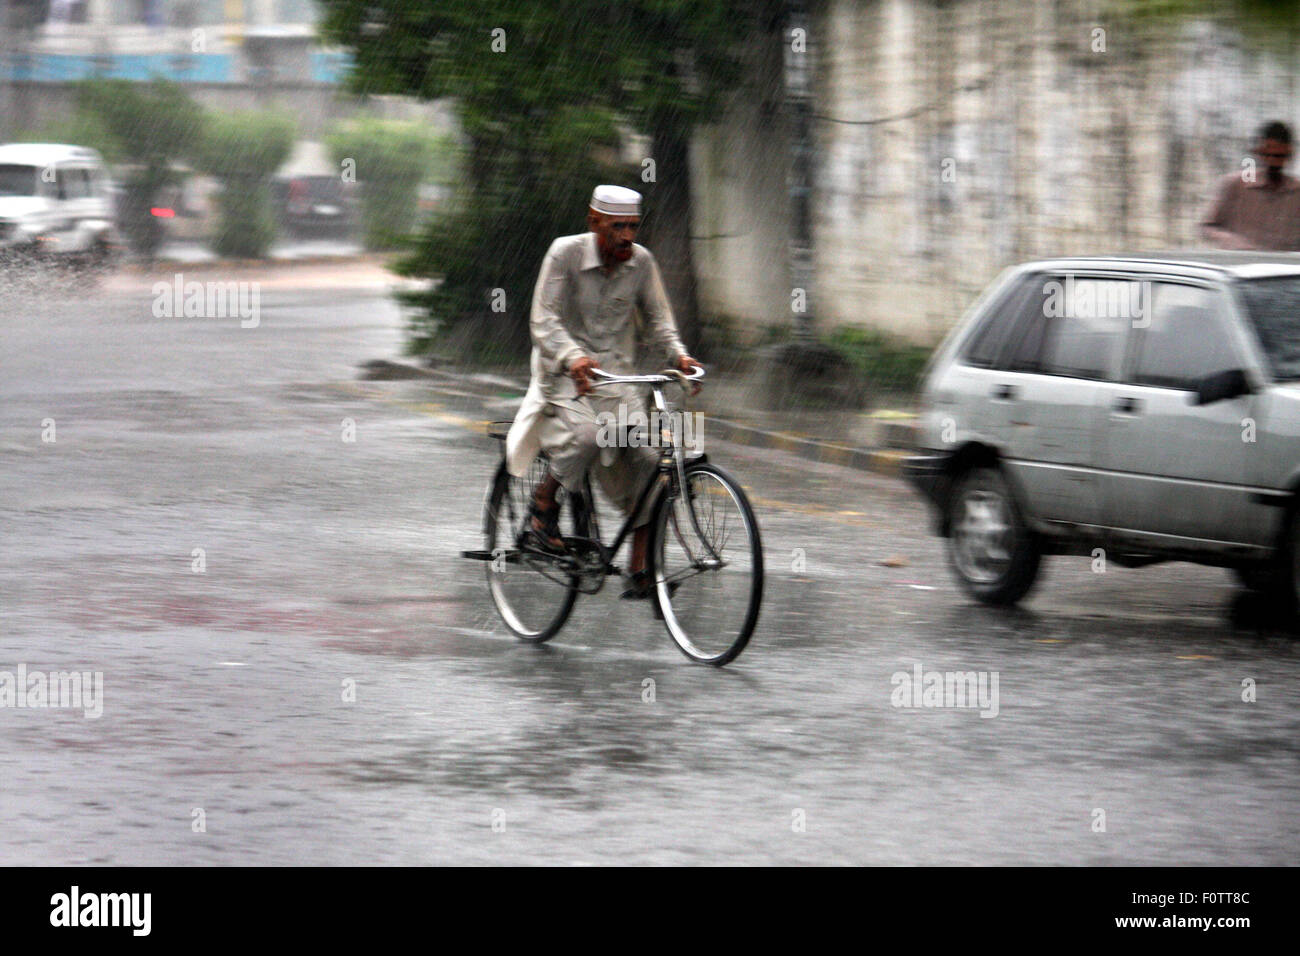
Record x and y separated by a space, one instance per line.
1220 386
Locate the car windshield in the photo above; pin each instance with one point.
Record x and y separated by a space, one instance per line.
1273 306
17 180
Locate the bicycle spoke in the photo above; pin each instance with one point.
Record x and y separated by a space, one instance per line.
713 561
683 575
681 538
533 592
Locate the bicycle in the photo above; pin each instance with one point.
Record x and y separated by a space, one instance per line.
704 556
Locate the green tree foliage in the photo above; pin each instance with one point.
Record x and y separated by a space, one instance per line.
243 151
1265 24
389 160
541 90
146 129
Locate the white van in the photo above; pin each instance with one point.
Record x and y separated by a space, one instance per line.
55 201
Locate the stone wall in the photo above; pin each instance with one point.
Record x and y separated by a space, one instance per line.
956 138
740 204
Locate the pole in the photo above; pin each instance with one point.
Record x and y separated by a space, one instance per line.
798 99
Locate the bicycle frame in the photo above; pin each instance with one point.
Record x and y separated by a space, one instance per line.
671 470
670 467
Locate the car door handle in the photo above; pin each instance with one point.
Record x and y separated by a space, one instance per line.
1127 405
1004 393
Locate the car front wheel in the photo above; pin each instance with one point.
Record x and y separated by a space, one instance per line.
989 544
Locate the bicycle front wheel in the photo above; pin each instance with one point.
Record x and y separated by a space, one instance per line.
707 565
531 593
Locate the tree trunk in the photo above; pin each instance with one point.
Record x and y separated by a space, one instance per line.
669 225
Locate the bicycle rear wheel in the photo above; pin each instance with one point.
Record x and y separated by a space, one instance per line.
533 595
708 572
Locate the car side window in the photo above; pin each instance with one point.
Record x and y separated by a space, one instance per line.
1186 340
1030 330
1074 326
986 343
1087 321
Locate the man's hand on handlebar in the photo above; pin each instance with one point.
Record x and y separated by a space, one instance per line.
580 372
686 364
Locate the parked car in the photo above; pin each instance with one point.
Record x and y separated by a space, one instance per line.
185 206
1148 407
309 205
55 202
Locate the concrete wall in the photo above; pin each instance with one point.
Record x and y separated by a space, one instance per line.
955 138
740 204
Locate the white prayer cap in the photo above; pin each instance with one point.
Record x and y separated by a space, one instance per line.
616 201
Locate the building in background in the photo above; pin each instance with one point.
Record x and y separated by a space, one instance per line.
189 41
230 54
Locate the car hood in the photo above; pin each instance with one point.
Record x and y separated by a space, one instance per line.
20 207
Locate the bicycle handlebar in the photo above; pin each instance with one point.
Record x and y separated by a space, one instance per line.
661 378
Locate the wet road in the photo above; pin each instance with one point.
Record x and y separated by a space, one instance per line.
330 571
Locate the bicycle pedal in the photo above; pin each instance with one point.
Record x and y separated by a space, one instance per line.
509 557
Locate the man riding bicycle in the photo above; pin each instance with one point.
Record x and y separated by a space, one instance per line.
583 317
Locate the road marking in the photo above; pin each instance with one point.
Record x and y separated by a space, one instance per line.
428 409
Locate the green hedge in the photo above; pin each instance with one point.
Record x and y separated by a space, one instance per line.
243 151
389 160
886 362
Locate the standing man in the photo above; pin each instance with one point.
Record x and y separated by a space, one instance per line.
583 317
1258 208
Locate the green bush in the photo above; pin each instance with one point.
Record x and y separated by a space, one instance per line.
390 160
243 151
886 362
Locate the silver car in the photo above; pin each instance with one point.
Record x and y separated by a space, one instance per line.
1135 409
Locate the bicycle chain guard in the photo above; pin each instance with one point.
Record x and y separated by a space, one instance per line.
592 559
583 558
